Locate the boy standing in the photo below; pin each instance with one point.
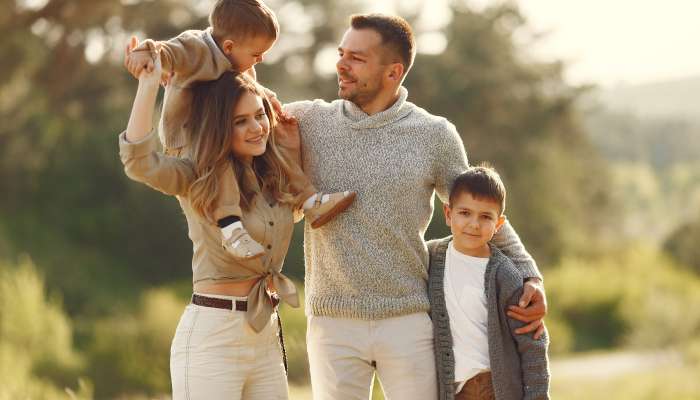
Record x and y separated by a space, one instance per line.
241 32
471 284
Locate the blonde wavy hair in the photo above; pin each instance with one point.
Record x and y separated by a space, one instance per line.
210 126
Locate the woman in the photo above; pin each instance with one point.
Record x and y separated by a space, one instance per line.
226 344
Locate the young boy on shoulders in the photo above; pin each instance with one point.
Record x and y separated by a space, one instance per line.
471 284
241 33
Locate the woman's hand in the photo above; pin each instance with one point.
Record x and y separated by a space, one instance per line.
141 119
152 76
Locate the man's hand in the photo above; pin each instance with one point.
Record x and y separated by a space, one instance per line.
532 308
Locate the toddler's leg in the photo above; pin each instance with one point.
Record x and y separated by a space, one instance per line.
319 208
234 236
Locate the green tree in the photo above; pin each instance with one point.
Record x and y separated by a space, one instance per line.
682 244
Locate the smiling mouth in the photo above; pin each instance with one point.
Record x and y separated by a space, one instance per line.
345 81
256 140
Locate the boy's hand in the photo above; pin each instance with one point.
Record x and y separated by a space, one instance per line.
138 61
532 308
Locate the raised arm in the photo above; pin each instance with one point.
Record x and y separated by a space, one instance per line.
137 145
191 56
141 118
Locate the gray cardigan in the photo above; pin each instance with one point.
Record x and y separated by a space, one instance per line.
519 365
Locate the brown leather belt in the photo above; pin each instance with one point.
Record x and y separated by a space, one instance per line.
214 302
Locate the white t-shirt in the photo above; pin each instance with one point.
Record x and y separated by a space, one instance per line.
466 305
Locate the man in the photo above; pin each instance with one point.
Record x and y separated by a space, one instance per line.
366 271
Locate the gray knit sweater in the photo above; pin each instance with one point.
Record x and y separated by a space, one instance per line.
370 262
519 365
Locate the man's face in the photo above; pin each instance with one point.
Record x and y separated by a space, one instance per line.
360 66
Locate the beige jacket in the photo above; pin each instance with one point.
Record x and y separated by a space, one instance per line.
269 224
192 56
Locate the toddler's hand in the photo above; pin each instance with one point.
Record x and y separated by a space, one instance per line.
287 133
153 75
137 61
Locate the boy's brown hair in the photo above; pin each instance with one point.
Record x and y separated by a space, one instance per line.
243 19
396 34
482 182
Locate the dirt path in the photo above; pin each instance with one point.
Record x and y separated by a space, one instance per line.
610 365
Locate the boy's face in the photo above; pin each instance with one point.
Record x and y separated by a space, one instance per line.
473 223
244 54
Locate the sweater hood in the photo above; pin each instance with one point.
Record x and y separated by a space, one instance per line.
355 118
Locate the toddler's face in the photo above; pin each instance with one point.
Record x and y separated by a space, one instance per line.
244 54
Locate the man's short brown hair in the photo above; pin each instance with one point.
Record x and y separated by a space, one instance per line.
483 183
243 19
396 34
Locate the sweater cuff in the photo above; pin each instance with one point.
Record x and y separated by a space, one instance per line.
139 148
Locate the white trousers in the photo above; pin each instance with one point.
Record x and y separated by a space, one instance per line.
345 353
216 355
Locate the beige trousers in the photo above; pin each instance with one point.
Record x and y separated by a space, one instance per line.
215 355
344 354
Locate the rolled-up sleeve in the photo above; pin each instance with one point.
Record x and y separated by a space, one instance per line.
142 163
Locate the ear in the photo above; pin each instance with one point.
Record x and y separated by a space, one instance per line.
227 46
396 72
500 222
448 214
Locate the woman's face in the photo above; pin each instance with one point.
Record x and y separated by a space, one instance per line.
251 127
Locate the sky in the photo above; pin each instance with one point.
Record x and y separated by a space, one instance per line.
612 42
607 42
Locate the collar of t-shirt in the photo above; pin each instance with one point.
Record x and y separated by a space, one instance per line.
465 270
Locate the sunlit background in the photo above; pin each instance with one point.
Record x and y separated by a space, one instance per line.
588 109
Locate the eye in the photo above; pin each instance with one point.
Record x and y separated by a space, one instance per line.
487 217
261 116
239 122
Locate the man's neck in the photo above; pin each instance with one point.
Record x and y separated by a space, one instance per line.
382 102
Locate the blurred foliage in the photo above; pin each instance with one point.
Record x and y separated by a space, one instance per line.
637 297
37 358
682 244
658 142
129 351
678 382
655 169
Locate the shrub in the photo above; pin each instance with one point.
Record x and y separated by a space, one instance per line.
129 352
636 297
36 346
